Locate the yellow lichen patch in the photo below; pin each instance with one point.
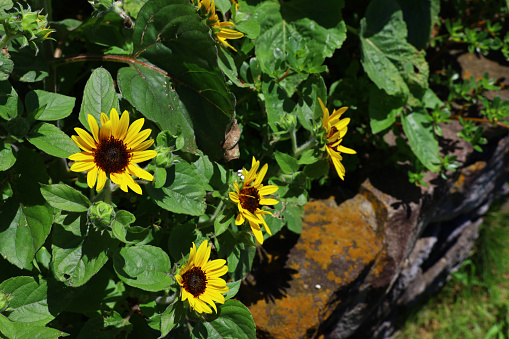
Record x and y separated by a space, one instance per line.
465 173
337 243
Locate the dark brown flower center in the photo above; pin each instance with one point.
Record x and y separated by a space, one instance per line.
195 281
249 199
331 132
112 155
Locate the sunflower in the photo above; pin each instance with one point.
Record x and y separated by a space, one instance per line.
250 198
113 149
200 279
336 129
220 27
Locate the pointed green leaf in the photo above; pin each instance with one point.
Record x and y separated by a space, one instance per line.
6 66
383 109
152 94
170 34
233 320
287 163
10 104
65 198
7 157
52 140
54 106
23 230
419 131
145 267
183 191
79 252
99 96
390 61
29 302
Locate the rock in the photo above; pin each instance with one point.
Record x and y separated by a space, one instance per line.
360 264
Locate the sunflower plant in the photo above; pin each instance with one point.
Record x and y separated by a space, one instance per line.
149 148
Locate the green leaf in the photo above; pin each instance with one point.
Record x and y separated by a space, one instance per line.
27 66
383 109
29 302
316 170
239 251
54 106
65 198
151 93
99 96
125 233
7 327
52 140
79 252
390 61
293 216
7 157
234 287
6 66
10 104
183 191
145 267
309 109
23 230
30 331
233 320
170 317
419 131
170 34
287 163
277 103
301 40
5 5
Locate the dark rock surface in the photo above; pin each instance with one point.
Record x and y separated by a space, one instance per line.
359 265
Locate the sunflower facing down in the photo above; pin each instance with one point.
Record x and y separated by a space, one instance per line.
220 27
250 199
336 129
115 148
200 279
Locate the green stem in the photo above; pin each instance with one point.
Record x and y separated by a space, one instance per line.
304 147
107 191
352 30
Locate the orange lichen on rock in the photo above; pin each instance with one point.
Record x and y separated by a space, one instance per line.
337 243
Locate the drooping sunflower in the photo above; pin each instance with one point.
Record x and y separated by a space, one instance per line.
200 279
250 199
336 129
220 27
115 148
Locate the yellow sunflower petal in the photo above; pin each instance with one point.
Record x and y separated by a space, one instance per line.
123 125
82 166
119 180
81 143
143 156
133 130
268 202
325 119
101 179
92 176
229 34
142 146
346 150
336 114
104 118
105 131
266 190
115 122
139 172
203 254
340 169
261 175
192 253
257 232
206 298
139 138
133 184
239 220
233 196
86 138
94 128
82 156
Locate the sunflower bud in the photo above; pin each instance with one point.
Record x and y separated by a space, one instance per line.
101 215
5 300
